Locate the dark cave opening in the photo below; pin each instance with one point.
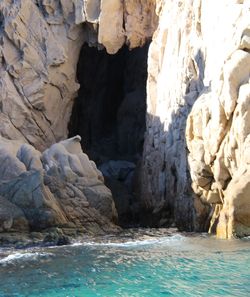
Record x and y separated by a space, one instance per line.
110 116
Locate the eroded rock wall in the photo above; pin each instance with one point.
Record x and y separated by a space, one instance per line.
60 187
39 51
218 131
197 106
39 48
199 54
40 42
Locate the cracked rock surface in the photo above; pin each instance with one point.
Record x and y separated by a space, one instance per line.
40 42
195 171
59 188
198 105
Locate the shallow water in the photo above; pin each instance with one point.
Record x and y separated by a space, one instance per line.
149 264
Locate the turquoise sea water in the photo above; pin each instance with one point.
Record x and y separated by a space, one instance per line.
175 265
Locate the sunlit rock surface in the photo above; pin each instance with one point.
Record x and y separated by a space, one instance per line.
195 168
218 129
198 56
39 51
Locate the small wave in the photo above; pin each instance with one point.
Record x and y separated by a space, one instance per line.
77 244
16 257
134 243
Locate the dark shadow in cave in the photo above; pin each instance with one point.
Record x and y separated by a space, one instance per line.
109 115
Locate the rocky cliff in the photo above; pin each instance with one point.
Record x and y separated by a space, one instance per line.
195 167
218 128
199 81
39 51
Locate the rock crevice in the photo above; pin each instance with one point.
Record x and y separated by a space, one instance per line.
40 45
195 169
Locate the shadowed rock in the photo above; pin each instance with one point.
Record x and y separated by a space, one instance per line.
60 187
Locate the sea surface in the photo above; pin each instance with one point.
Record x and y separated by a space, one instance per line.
139 263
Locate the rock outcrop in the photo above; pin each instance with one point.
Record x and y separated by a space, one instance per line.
195 171
218 128
175 80
205 56
39 51
59 188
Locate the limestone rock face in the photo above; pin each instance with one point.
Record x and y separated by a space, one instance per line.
199 69
60 187
40 45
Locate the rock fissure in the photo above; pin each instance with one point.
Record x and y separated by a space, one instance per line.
109 114
189 168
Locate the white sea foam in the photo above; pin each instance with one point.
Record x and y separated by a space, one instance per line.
16 257
134 243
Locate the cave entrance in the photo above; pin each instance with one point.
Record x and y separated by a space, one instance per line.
109 114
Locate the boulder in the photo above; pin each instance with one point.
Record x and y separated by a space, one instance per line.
60 187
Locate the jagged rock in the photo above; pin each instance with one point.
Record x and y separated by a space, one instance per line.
219 126
191 71
66 163
175 79
140 21
39 51
60 187
115 38
29 194
190 66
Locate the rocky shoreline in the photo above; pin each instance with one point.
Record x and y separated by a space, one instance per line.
53 195
65 236
194 172
51 237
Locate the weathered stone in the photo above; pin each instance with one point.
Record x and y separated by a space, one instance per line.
115 38
29 194
192 70
198 98
40 45
11 217
140 21
223 114
30 157
175 79
49 190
